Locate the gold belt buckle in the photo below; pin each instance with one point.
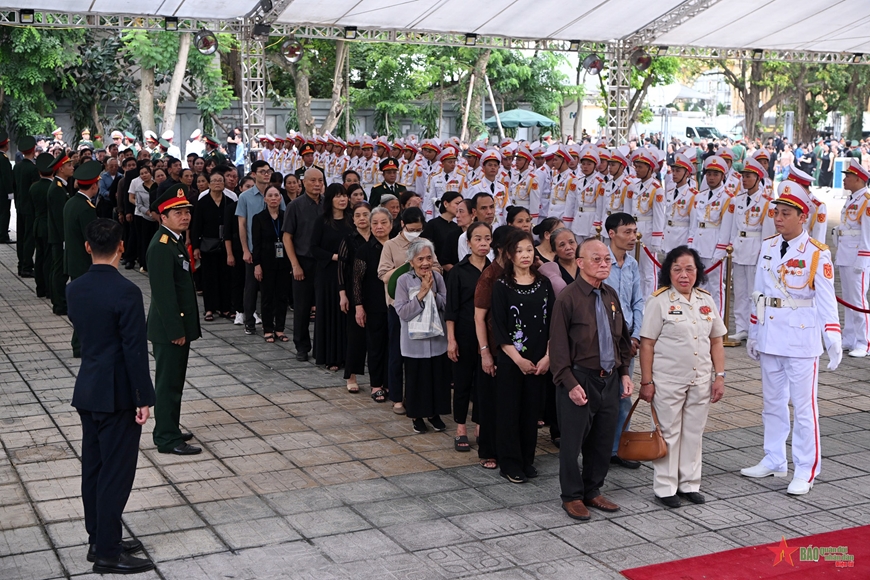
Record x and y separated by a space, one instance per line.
702 225
742 234
775 302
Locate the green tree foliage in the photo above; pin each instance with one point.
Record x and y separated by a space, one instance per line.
34 63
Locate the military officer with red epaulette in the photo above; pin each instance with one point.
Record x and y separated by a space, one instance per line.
586 202
680 199
645 201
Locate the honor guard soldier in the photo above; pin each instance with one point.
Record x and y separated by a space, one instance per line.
58 194
151 142
172 149
473 168
853 257
506 171
563 185
733 181
798 183
491 161
173 317
763 158
407 163
57 139
525 182
446 178
306 152
39 200
78 212
268 144
7 188
426 166
368 168
24 175
753 222
679 203
212 151
645 201
544 174
616 187
390 170
586 202
711 222
794 302
278 154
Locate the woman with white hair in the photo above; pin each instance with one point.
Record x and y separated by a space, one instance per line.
422 295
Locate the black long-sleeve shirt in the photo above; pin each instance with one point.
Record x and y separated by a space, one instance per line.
266 233
208 220
368 289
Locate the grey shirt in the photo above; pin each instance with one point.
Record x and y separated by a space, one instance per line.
408 307
251 202
302 213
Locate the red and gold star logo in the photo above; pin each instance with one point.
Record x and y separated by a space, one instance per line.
783 552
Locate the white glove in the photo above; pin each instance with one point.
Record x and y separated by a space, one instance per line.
751 348
834 342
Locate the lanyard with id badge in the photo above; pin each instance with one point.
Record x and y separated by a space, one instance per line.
279 245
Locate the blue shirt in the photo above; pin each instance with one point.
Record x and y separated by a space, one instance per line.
626 281
252 202
105 183
240 154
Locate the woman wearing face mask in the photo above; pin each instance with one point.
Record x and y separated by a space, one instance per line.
356 335
439 229
393 256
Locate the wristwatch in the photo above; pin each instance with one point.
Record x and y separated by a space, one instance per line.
720 375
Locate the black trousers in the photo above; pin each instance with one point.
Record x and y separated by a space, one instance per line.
588 429
252 287
465 372
216 282
57 280
377 337
485 405
274 296
26 242
237 289
41 267
517 408
131 241
110 450
145 230
5 216
550 415
303 300
395 364
355 355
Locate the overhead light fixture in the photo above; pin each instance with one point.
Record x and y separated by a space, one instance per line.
266 5
205 42
170 23
857 58
593 64
757 54
261 32
574 46
661 50
350 32
26 16
640 59
291 50
470 39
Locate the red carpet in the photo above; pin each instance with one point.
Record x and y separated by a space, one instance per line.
781 560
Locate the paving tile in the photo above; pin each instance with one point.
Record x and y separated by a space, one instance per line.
31 566
160 520
327 522
278 481
597 536
758 533
305 500
715 515
395 566
183 544
327 454
248 534
23 540
218 489
573 568
340 473
425 535
492 524
460 501
472 559
355 546
525 549
402 464
395 511
69 533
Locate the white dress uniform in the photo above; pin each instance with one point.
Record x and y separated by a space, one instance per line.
795 307
498 193
798 183
441 182
613 197
586 204
422 170
853 263
678 211
563 184
524 185
539 203
683 373
368 174
645 200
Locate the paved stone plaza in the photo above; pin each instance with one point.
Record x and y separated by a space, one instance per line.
299 479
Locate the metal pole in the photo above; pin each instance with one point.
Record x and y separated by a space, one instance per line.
637 247
494 107
347 107
726 311
463 135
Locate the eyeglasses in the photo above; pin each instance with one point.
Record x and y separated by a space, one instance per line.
264 171
687 271
598 259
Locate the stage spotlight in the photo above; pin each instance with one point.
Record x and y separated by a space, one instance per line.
26 16
350 32
470 39
261 32
640 59
757 54
574 46
170 23
593 64
292 50
205 42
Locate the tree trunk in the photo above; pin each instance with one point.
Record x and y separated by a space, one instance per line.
146 100
98 125
635 105
475 121
175 85
234 61
335 108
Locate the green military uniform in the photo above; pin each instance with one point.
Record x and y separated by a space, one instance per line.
173 314
388 164
39 201
7 189
739 157
25 174
56 199
219 158
78 213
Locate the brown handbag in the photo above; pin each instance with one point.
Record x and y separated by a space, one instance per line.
642 445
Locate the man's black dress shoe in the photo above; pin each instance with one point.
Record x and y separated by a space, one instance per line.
302 356
127 546
184 449
692 496
186 436
626 463
26 274
670 501
122 564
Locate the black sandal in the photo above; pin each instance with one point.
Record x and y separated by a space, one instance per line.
461 444
209 317
269 337
379 396
282 337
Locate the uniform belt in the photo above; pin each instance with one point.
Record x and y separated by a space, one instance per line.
749 234
585 209
641 218
678 223
708 225
789 302
593 372
848 232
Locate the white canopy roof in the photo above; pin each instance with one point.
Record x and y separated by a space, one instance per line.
834 26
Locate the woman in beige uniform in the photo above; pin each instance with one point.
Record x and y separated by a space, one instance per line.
680 349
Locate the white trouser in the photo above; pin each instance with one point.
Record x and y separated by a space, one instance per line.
744 281
682 411
856 327
648 272
785 379
715 284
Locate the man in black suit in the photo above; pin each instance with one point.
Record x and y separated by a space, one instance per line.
306 151
390 170
113 393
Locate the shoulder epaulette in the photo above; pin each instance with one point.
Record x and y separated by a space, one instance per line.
164 239
660 291
702 290
693 191
818 244
818 202
770 237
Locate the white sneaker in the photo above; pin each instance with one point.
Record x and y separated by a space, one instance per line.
257 319
240 319
761 471
742 335
858 353
799 487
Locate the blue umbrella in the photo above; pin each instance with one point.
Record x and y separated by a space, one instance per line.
520 118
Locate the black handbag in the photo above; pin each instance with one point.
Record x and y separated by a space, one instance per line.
209 245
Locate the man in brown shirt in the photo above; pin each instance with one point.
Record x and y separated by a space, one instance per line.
590 369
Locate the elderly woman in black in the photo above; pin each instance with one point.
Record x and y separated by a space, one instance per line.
207 239
356 334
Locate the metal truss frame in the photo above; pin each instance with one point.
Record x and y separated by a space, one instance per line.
677 16
253 61
48 19
618 94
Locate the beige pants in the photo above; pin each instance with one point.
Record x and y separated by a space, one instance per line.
682 411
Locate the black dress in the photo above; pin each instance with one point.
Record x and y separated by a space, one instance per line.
275 265
356 335
440 231
330 323
368 290
208 224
